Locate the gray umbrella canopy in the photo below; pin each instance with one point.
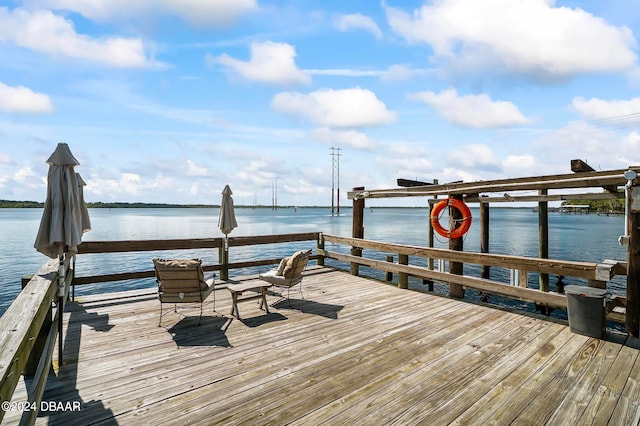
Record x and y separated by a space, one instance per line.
227 219
61 226
84 211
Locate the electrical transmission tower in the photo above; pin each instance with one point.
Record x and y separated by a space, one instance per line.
335 177
274 194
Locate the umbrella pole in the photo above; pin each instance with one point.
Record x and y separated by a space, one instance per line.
224 272
61 284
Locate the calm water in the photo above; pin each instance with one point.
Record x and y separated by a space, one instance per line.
512 231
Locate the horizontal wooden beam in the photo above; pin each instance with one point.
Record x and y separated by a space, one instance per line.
507 198
190 243
586 270
579 166
562 181
273 239
95 279
409 182
551 299
148 245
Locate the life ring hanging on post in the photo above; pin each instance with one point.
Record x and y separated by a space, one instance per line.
465 221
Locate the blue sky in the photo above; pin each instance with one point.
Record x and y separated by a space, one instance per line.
169 100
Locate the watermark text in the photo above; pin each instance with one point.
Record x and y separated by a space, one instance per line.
55 406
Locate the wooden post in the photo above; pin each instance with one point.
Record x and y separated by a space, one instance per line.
455 290
484 236
403 277
430 236
357 230
632 319
543 237
320 246
223 259
389 275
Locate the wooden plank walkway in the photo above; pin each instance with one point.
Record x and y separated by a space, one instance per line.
354 350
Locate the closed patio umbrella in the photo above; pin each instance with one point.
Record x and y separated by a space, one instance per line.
227 219
61 226
226 223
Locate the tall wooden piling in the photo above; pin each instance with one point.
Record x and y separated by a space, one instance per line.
484 236
632 319
543 237
357 230
430 242
455 290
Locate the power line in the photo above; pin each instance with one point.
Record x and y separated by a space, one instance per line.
616 122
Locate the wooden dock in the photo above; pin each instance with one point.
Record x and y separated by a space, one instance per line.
353 351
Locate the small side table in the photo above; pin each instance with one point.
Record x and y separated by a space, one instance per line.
236 291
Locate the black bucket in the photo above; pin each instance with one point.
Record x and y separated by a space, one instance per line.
586 310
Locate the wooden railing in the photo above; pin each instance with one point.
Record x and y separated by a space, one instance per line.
28 329
28 332
596 274
187 244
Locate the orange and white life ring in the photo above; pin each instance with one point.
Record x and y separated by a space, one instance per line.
465 222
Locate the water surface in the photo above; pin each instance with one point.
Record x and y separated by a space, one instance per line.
578 237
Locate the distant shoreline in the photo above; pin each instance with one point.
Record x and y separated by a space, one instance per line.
120 205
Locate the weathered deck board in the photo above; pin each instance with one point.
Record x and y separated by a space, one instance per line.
354 350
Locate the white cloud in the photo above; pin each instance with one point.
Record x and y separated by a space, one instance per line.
127 184
528 37
452 174
6 158
345 72
270 63
519 162
258 173
24 174
577 140
356 21
610 113
402 159
474 157
476 111
350 138
195 170
43 31
215 13
354 107
23 99
630 152
408 167
403 72
130 183
302 186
